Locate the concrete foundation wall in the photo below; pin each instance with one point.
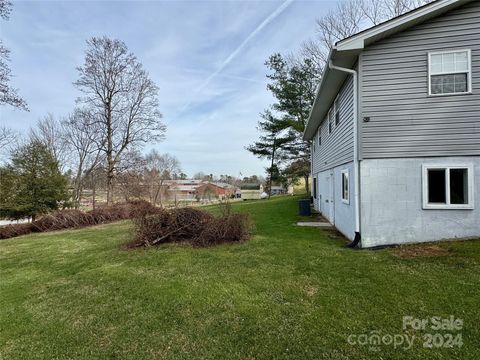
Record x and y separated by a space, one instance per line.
391 203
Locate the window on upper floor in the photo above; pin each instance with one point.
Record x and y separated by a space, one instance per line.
330 120
447 187
336 106
319 138
449 72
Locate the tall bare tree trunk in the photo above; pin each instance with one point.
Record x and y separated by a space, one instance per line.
93 191
77 191
110 186
110 160
123 98
160 194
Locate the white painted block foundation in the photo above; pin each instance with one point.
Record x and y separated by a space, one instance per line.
391 204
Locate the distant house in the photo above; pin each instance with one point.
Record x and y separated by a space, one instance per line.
230 189
194 190
395 129
251 191
277 190
212 190
181 190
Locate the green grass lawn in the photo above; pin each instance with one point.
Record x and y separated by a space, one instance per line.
289 293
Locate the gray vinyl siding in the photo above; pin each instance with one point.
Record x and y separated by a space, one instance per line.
337 147
404 120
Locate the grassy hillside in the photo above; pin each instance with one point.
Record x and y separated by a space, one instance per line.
289 293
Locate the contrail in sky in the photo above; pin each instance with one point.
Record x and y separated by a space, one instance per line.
237 51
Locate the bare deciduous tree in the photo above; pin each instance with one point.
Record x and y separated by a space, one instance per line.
49 132
199 176
8 95
81 134
314 50
7 137
373 10
130 175
96 180
343 21
124 97
159 167
378 11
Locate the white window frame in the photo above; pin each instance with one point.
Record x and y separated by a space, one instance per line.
469 72
447 168
345 173
331 120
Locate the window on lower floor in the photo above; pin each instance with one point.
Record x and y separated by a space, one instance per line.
448 187
314 188
345 187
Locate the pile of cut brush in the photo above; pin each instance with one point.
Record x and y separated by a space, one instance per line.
189 225
71 219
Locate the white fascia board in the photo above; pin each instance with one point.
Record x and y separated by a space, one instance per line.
355 44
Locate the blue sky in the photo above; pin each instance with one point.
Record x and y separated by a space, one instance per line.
207 57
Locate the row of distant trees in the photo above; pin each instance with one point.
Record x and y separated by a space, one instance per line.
53 166
293 80
45 172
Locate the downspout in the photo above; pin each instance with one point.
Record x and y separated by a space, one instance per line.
356 163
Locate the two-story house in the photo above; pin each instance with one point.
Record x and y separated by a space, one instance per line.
395 129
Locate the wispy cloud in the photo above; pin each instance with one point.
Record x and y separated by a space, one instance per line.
239 49
215 60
